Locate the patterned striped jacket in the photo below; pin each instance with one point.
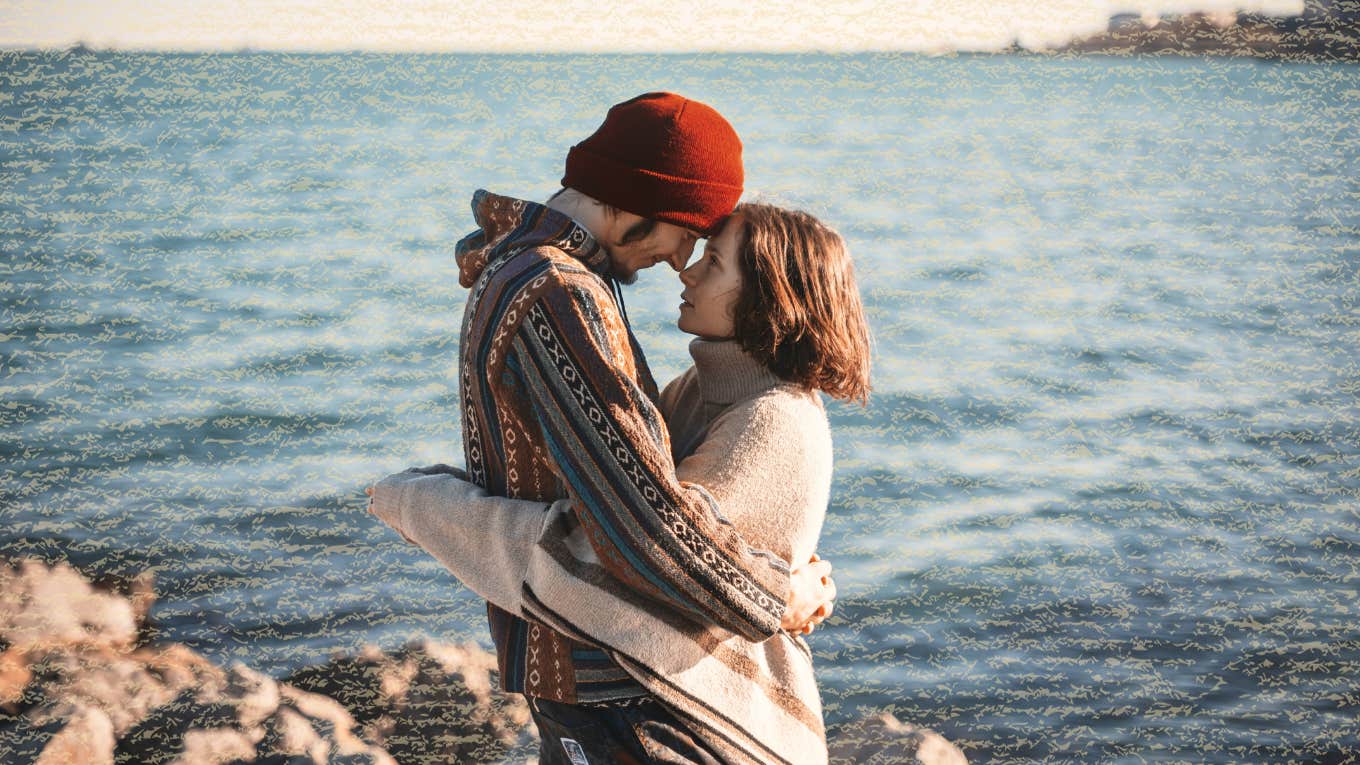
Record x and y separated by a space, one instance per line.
557 401
763 448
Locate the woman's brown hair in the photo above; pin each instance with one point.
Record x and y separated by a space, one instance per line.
799 311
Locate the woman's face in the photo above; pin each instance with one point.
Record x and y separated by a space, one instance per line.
712 285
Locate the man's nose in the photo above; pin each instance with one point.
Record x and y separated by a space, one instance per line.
680 257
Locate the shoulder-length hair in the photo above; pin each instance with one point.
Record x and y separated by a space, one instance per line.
799 311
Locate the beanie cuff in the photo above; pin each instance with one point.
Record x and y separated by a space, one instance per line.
686 202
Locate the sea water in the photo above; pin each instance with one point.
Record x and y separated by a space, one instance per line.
1102 504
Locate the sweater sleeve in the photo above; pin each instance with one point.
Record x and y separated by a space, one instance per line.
483 540
774 454
663 538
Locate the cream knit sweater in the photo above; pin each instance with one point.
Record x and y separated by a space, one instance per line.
762 448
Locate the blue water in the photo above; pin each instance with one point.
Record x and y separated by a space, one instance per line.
1101 507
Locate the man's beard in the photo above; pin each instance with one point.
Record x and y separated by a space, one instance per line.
629 278
617 272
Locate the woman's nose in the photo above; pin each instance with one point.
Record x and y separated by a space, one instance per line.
687 275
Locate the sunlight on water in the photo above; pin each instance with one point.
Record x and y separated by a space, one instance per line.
1100 507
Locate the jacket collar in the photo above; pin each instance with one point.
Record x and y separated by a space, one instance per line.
507 225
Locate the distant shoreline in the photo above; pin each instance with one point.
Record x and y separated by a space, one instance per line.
1322 33
1325 31
1061 54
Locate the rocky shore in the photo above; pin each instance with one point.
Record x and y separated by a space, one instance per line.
82 681
1325 31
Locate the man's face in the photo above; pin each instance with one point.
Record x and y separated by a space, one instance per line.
632 248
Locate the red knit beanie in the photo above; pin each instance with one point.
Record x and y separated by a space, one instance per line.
663 157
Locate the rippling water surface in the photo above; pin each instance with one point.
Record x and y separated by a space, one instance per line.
1102 506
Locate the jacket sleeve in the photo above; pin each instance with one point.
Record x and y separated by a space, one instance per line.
661 537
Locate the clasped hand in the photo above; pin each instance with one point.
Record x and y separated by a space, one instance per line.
811 596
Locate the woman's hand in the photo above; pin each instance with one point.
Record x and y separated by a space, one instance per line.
373 510
811 596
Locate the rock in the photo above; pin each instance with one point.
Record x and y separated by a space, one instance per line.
215 746
882 739
87 738
1324 31
163 735
289 734
49 606
140 590
255 696
328 715
177 666
14 677
75 688
67 679
427 702
368 685
78 684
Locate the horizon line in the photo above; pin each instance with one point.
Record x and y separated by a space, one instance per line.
83 47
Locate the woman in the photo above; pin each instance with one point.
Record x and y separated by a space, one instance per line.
777 317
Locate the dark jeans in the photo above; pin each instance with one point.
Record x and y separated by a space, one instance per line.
637 734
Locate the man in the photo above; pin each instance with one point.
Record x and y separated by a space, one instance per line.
558 400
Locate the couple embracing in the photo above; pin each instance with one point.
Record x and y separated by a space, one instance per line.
648 557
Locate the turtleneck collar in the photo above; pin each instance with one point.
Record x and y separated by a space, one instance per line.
727 374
